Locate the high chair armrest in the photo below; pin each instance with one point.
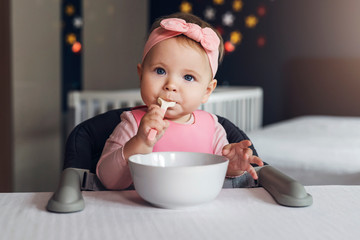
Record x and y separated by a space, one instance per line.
68 197
285 190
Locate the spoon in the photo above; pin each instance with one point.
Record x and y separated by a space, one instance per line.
164 106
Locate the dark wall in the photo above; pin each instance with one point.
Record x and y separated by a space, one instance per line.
327 86
300 34
5 99
318 55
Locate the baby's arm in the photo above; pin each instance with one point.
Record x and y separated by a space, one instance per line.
112 168
127 139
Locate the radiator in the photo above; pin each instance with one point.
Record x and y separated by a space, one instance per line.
241 105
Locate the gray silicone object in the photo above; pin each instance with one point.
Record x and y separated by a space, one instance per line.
68 197
285 190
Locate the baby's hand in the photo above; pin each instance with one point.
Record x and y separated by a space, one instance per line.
153 119
240 158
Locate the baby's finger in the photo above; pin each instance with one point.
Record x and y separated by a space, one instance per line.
227 151
156 112
153 106
227 147
252 172
247 153
256 160
244 144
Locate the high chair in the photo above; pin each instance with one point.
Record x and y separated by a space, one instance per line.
85 144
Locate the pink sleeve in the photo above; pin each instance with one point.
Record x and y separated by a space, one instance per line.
112 168
220 138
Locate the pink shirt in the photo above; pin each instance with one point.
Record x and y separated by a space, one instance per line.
176 137
112 168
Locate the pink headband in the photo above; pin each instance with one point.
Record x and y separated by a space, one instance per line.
172 27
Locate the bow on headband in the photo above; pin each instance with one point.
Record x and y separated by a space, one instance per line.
172 27
206 36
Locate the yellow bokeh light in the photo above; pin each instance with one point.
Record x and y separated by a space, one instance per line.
185 7
69 9
237 5
218 2
71 38
251 21
235 37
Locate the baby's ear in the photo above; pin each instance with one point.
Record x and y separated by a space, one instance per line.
139 70
210 88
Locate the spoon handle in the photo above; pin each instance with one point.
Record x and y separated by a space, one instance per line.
164 106
152 134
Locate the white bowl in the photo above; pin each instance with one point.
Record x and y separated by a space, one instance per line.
178 179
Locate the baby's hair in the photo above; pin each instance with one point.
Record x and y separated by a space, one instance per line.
190 18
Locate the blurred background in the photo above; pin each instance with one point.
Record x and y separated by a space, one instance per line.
304 54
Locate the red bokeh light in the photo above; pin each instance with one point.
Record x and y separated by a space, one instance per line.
261 11
261 41
229 47
76 47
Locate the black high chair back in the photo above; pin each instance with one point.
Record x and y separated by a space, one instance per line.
85 144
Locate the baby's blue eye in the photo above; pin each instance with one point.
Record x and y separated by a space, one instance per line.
160 71
189 78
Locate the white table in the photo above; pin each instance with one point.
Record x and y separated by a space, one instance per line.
235 214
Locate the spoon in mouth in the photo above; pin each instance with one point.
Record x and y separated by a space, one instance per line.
164 106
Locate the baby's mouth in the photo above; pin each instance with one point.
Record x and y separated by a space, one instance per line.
169 100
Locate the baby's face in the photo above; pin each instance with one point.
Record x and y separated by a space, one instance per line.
176 72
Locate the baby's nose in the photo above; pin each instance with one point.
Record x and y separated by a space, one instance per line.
170 86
